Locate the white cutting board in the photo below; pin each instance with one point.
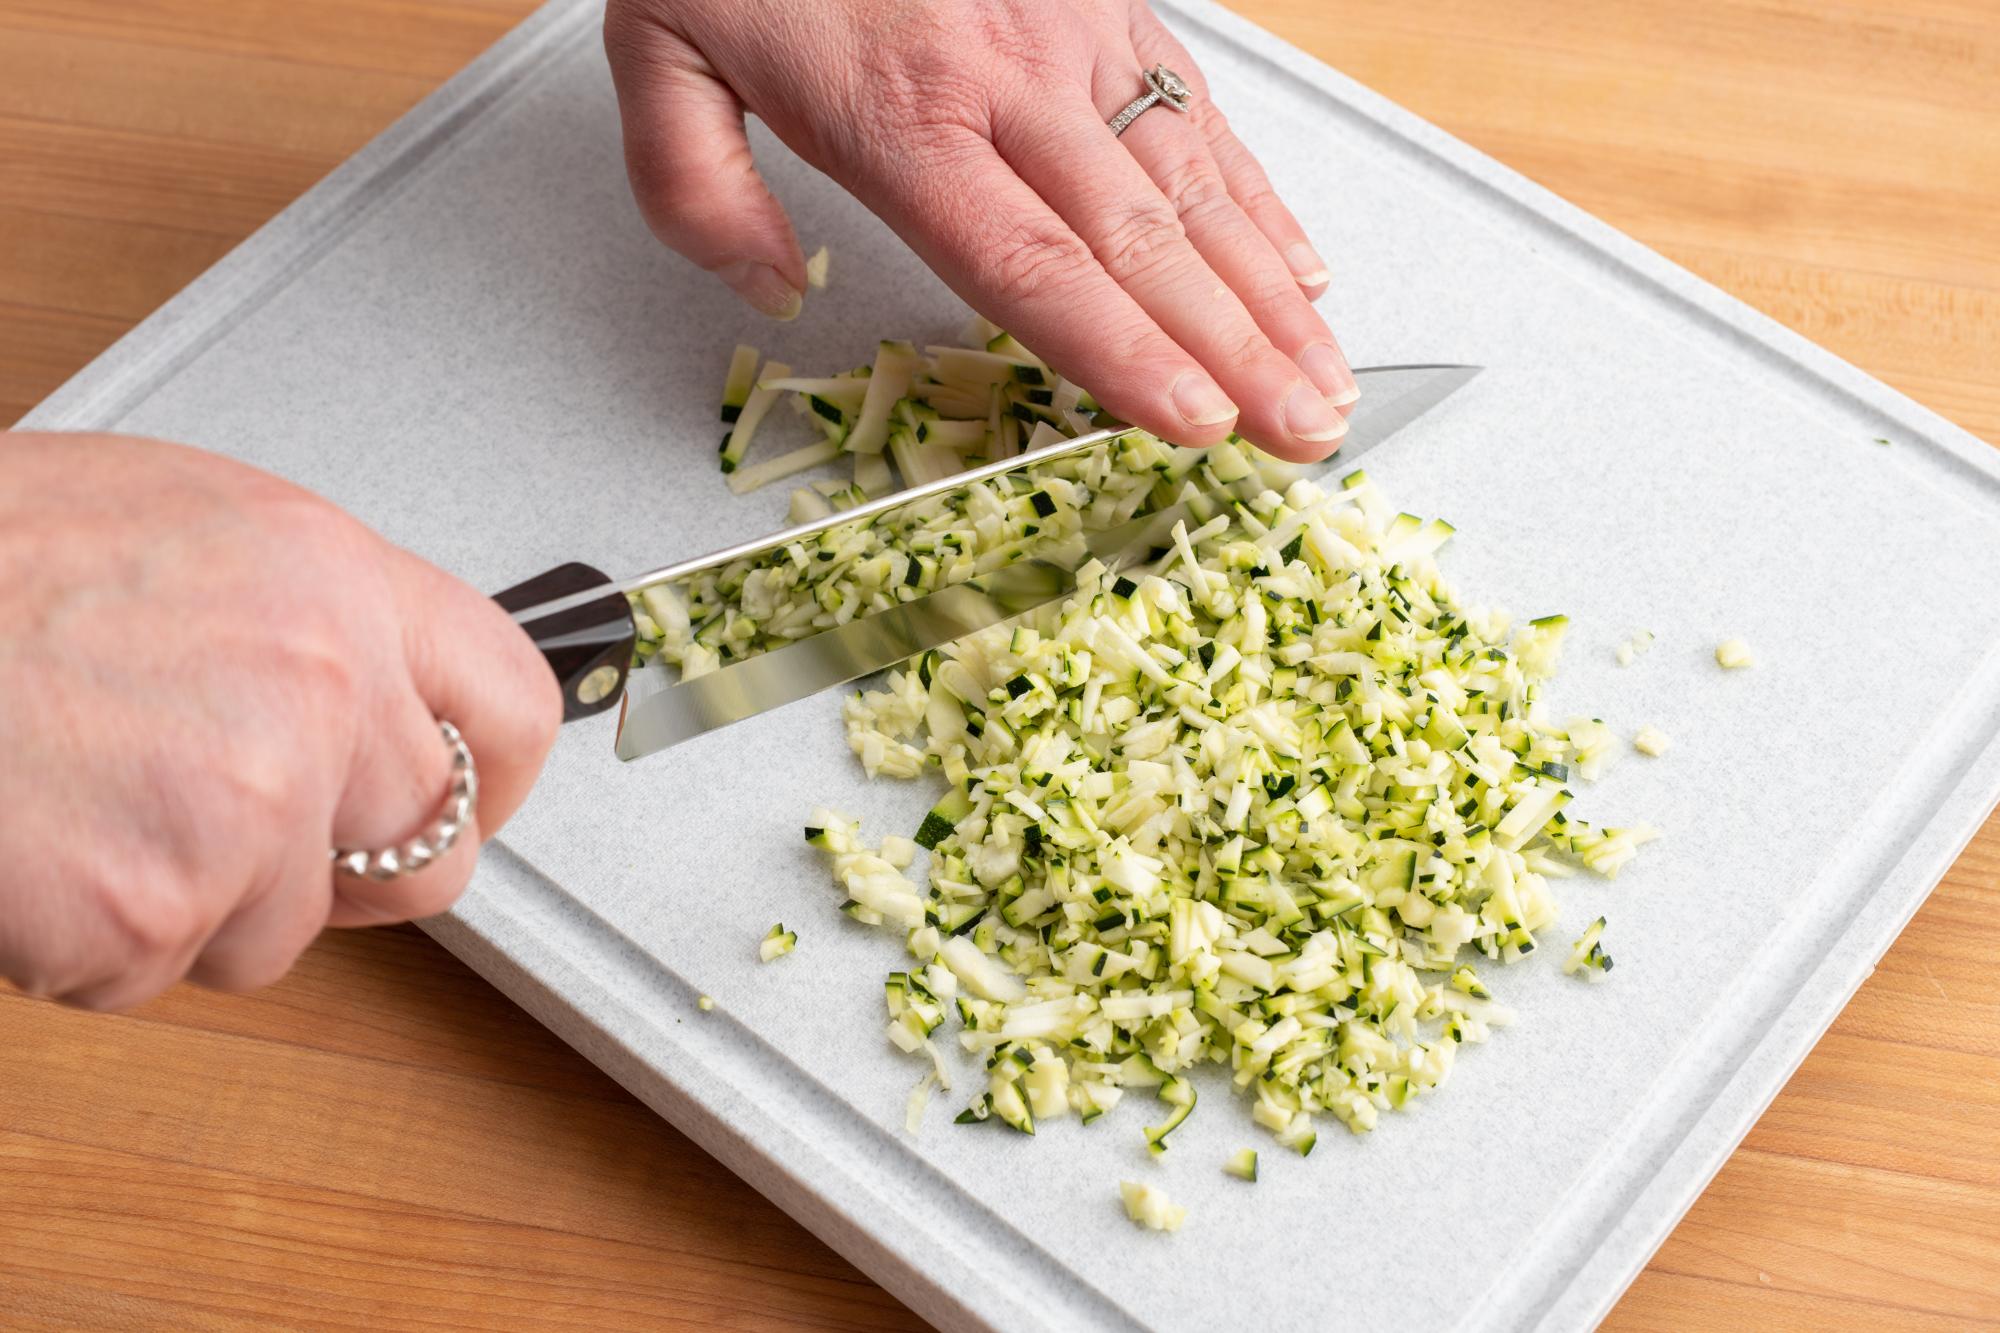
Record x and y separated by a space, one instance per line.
466 336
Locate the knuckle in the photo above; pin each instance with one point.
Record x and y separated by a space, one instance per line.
1194 185
258 786
1269 289
1147 237
1254 194
326 681
1248 350
151 914
42 975
1037 258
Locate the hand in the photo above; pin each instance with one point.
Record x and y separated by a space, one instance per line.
207 678
1158 269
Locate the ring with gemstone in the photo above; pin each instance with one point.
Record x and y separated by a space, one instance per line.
1163 87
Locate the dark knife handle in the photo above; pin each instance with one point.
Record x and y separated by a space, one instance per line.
589 647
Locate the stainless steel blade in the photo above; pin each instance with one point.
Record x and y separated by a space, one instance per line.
658 713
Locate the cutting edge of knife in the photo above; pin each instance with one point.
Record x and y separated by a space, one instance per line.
863 513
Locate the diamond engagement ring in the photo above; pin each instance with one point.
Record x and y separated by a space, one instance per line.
1163 86
412 855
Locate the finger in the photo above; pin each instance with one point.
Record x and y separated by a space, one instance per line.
1173 153
1066 155
473 666
144 932
264 936
127 984
1241 171
468 663
1002 249
691 168
130 987
359 902
398 782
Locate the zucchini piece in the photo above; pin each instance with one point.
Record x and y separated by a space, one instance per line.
744 480
755 405
896 364
943 819
736 387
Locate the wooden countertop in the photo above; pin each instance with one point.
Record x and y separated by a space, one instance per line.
381 1140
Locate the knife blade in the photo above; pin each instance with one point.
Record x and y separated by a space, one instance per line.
658 713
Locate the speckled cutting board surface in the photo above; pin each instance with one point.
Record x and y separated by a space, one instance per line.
467 337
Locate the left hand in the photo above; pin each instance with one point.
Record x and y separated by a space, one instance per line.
1159 270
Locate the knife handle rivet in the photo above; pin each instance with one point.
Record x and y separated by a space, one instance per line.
598 685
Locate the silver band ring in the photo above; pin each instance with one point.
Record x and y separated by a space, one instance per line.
408 857
1163 87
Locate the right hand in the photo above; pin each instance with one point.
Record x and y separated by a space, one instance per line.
207 678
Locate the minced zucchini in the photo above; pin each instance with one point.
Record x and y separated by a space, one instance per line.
1149 1206
1257 802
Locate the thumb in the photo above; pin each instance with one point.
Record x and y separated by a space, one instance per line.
690 164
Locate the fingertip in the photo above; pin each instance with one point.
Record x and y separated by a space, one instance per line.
1308 269
1329 372
1201 403
1311 420
1305 428
763 288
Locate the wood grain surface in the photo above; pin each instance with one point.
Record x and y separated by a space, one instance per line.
382 1141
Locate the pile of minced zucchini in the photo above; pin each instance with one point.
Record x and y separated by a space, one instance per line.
1272 801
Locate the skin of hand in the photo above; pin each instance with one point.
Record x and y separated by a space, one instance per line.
1159 269
208 677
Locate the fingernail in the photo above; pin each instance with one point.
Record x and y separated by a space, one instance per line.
1306 265
1200 400
1310 417
763 288
1327 369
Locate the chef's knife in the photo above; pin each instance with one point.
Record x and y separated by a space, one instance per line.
582 620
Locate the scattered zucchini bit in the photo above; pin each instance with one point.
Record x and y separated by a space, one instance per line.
1733 655
704 1004
1634 647
816 268
1149 1206
1242 1164
1587 955
1651 741
777 942
920 1096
